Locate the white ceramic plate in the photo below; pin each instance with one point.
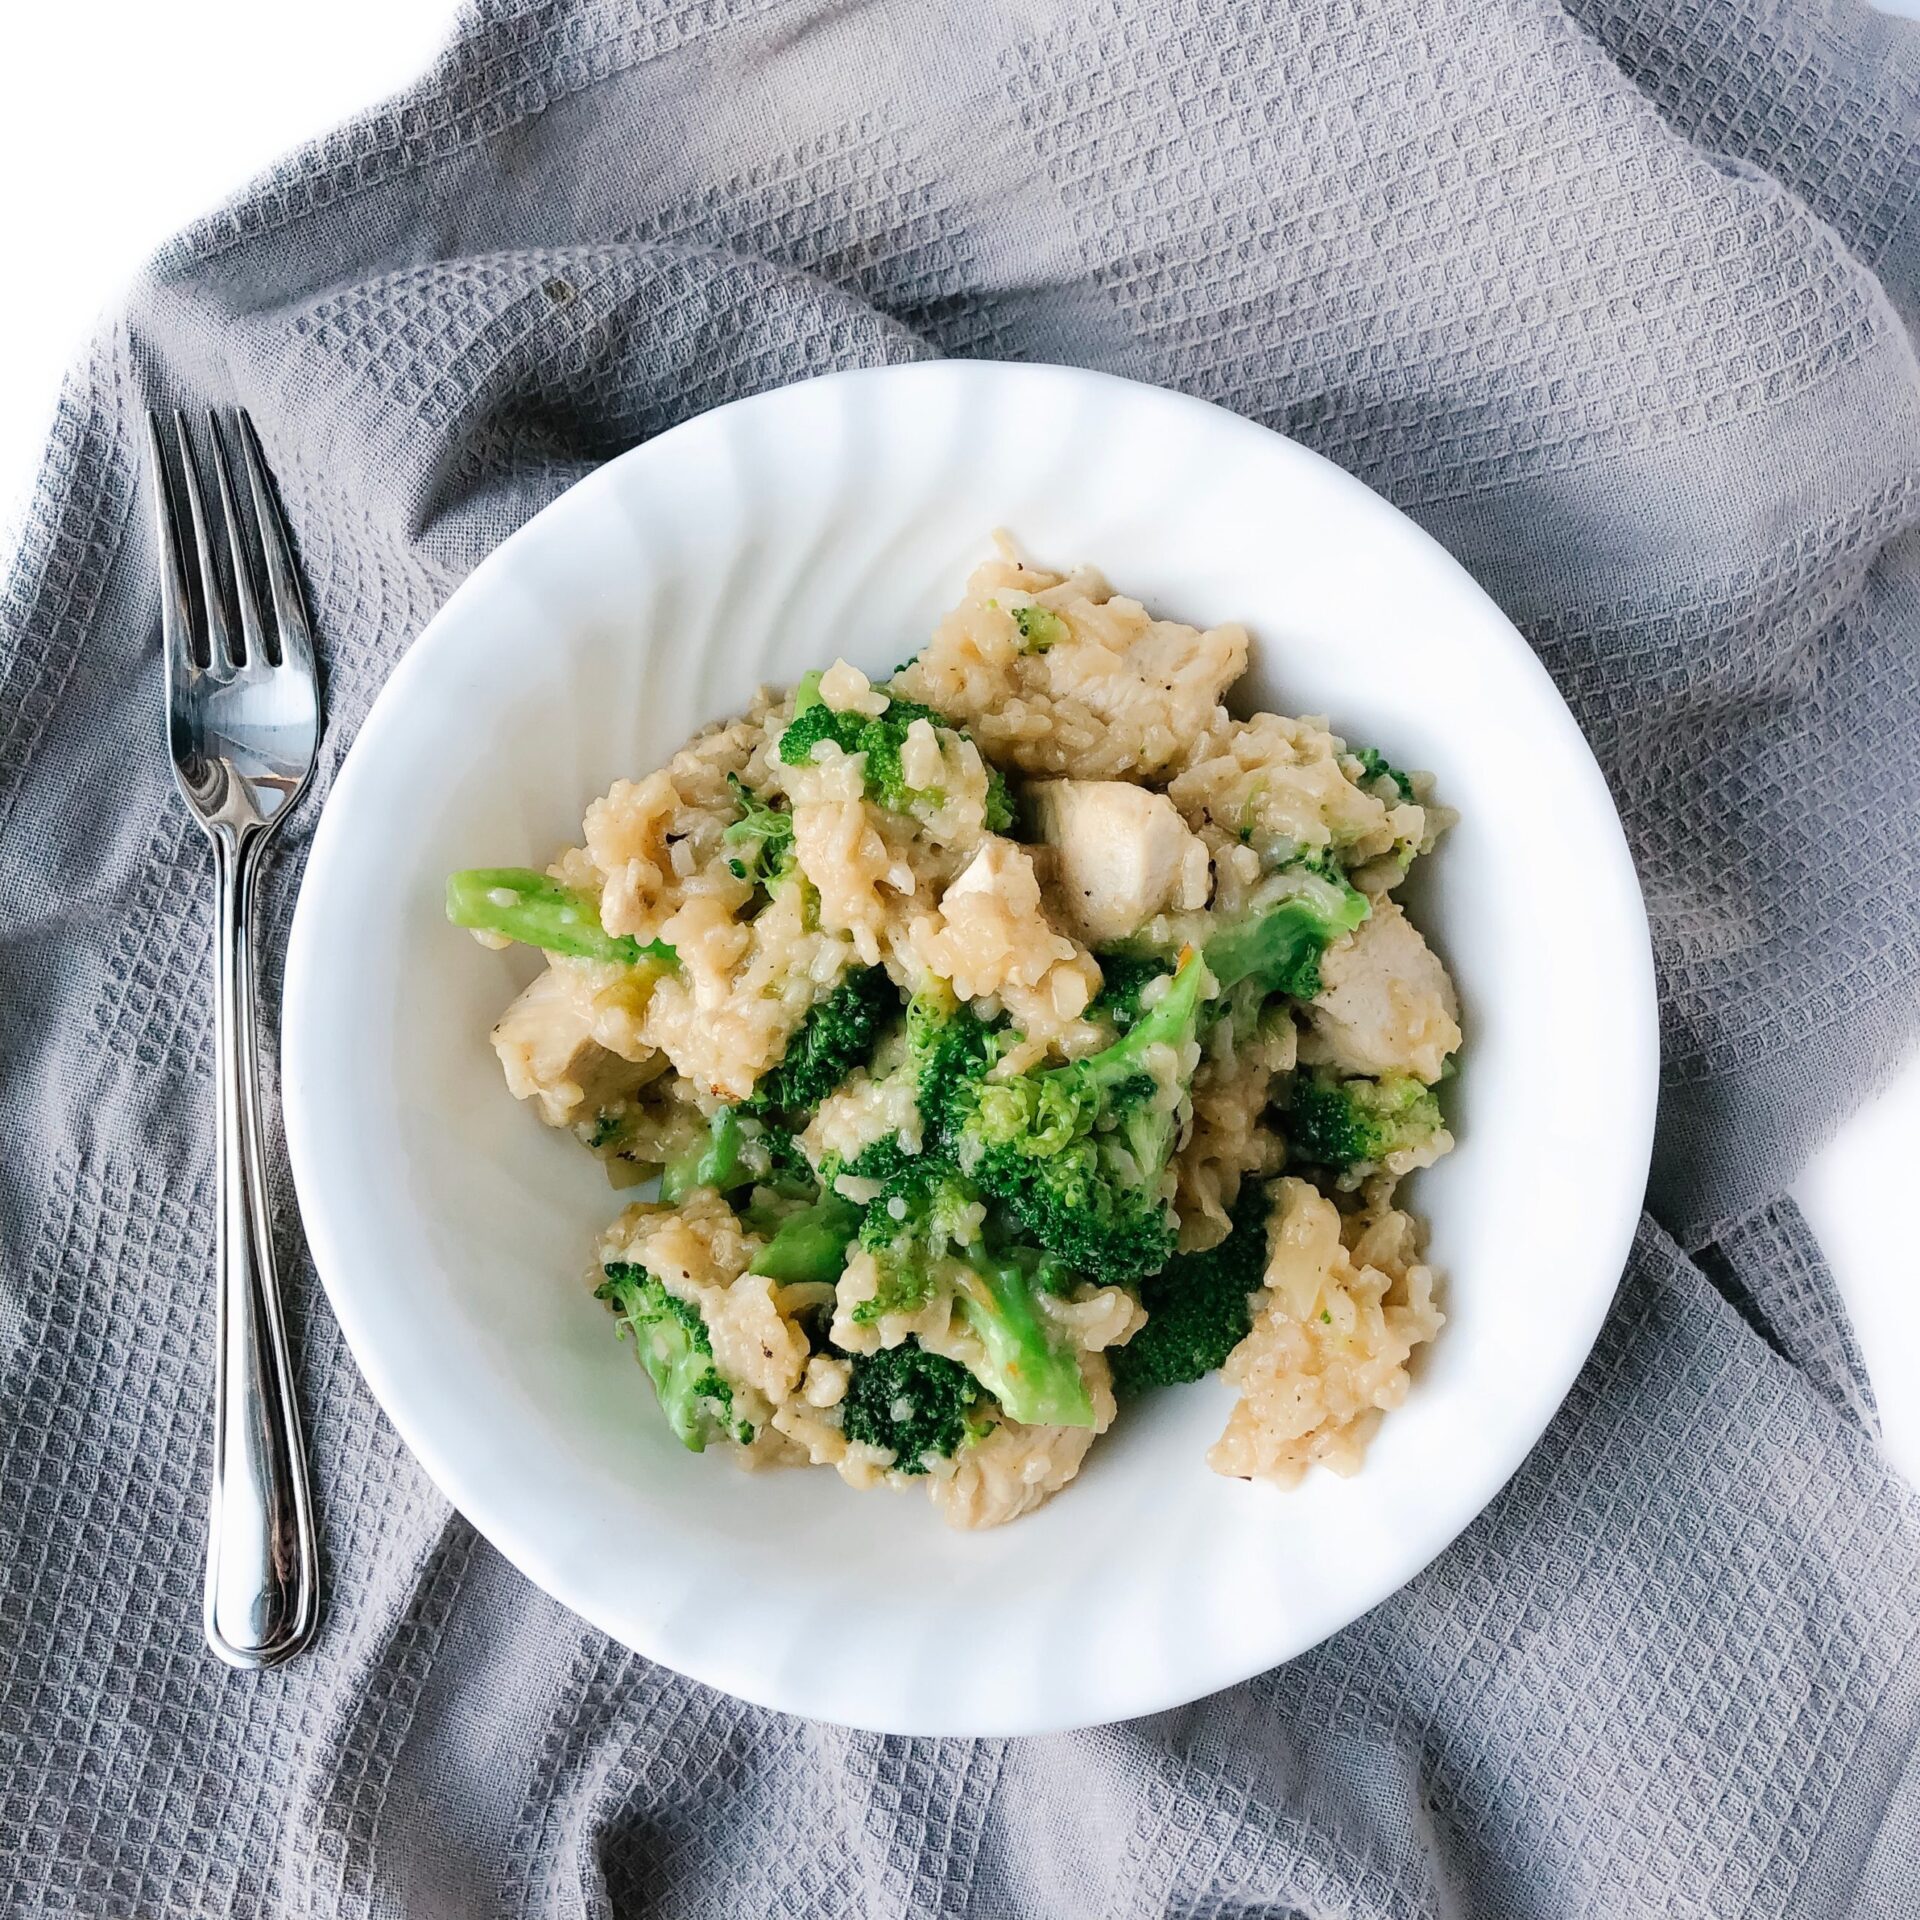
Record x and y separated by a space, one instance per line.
452 1230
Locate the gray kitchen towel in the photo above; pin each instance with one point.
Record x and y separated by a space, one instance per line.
1619 302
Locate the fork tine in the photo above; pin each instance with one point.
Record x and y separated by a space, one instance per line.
220 648
176 610
289 609
251 630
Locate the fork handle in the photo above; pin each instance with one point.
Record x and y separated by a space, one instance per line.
262 1588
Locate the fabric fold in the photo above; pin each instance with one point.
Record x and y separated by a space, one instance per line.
1618 302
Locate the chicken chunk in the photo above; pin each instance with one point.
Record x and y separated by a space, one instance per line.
1386 1004
550 1056
1121 854
999 868
993 937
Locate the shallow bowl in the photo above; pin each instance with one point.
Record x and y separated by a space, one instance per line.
452 1231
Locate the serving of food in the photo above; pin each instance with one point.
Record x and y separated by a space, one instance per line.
1009 1038
1017 1031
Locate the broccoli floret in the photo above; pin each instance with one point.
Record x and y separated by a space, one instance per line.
999 808
882 1160
880 738
671 1340
949 1049
810 1244
519 904
1342 1124
1035 1378
761 839
917 1405
1374 765
789 1171
837 1036
1123 978
919 1216
1040 628
1198 1305
1278 946
924 1226
1076 1152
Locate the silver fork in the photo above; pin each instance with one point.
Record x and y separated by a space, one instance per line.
243 723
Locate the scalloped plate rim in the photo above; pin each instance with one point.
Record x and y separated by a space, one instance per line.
494 1516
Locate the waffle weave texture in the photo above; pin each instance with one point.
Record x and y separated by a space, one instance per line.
1616 300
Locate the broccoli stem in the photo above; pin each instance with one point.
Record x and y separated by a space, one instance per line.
1169 1022
1037 1382
811 1244
537 910
1281 947
672 1343
712 1162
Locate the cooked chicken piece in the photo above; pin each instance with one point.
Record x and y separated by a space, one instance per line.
1121 855
994 936
999 867
548 1052
1385 1005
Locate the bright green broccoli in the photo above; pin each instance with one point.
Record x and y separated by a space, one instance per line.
1123 978
761 839
1035 1377
1198 1307
741 1148
754 1143
789 1171
1374 765
671 1340
924 1226
917 1405
717 1161
1076 1152
1342 1124
837 1036
922 1211
1278 946
519 904
809 1244
949 1050
880 738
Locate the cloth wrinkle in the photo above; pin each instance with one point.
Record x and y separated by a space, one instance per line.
1618 301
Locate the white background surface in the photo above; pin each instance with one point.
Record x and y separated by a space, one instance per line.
124 120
